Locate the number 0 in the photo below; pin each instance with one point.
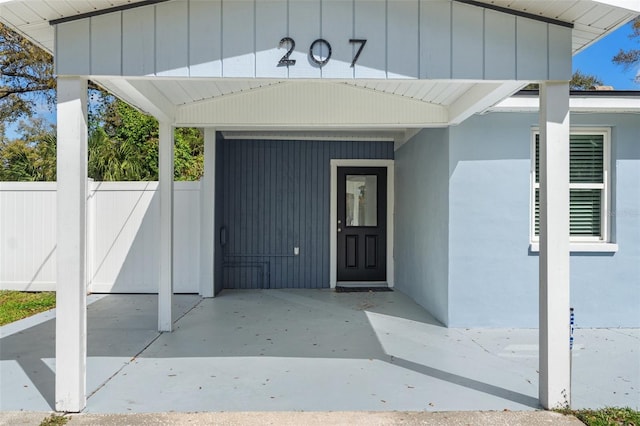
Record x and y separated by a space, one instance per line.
324 61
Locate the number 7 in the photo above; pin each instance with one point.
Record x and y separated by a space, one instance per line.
362 42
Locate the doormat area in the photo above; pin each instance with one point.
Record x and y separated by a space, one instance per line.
340 289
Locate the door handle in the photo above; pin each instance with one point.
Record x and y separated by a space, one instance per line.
339 229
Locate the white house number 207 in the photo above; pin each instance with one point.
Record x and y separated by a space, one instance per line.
288 41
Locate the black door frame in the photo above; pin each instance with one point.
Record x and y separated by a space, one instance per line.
333 225
368 243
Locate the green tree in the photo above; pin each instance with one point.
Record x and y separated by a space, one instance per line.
18 162
580 81
630 57
123 142
136 134
127 148
188 153
31 157
26 76
111 160
3 138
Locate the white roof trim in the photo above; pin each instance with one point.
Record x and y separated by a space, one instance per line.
631 5
598 104
592 19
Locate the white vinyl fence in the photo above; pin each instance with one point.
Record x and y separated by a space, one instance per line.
122 236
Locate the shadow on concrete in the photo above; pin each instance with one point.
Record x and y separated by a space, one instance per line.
247 325
119 326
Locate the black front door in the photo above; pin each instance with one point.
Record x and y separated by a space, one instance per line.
362 224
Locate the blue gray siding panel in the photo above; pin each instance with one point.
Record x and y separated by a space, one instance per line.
274 197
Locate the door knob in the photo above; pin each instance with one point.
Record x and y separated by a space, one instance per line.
339 229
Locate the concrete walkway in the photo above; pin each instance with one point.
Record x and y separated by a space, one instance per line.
306 350
349 418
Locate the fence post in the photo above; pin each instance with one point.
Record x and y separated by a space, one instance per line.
91 232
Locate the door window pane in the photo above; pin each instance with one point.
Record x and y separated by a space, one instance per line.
362 200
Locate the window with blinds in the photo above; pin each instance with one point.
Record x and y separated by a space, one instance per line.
588 196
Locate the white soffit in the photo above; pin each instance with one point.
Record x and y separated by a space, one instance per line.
591 18
31 17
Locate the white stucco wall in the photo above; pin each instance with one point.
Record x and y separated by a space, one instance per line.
493 278
421 220
462 226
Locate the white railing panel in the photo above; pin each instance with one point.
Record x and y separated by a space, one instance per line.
122 233
27 236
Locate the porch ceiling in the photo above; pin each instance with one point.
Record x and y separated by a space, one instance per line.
591 18
186 91
391 106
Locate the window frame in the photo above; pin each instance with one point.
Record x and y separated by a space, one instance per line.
605 187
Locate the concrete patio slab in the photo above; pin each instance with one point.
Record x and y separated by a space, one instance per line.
119 327
307 350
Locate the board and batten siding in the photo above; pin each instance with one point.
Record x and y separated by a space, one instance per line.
275 196
420 39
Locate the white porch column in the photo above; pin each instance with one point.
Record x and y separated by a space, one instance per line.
555 368
207 215
71 277
165 287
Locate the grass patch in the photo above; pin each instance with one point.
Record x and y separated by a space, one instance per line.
54 420
612 416
15 305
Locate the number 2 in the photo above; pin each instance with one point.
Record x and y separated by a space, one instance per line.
285 61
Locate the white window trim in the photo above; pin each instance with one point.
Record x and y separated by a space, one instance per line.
576 247
579 243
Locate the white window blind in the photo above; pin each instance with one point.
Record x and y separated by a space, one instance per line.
588 189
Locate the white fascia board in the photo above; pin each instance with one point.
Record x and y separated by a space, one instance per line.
576 104
631 5
601 104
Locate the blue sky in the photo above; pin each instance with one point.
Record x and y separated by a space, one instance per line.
595 60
